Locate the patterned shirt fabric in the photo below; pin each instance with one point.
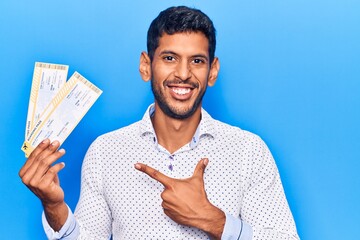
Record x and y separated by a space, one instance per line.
117 200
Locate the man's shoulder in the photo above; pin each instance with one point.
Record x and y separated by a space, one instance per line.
129 131
226 128
232 131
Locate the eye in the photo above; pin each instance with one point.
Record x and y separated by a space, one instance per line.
198 61
169 58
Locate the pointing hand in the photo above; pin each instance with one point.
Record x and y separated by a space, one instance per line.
185 200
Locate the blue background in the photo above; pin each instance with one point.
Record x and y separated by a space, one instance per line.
289 73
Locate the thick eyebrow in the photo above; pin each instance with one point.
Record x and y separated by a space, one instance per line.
201 56
167 52
174 53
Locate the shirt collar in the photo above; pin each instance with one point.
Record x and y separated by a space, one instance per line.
206 126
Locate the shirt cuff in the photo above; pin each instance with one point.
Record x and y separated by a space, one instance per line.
236 229
70 230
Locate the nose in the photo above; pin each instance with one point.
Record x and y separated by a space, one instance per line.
183 71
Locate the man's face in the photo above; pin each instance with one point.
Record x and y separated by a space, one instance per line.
180 71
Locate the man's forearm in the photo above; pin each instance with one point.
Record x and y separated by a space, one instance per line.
56 215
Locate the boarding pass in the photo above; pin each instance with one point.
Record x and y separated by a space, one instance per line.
56 106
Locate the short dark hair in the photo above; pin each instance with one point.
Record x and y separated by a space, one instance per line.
178 20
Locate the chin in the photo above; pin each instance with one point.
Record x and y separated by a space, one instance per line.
178 113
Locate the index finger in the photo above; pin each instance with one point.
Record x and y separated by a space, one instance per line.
40 148
154 174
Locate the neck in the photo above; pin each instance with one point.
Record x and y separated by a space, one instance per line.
173 133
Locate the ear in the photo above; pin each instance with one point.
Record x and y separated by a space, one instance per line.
145 67
214 71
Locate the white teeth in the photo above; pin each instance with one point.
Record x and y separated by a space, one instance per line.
181 91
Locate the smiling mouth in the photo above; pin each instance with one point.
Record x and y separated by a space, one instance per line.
180 90
181 93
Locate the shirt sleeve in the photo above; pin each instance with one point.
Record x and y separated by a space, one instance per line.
70 230
236 229
264 204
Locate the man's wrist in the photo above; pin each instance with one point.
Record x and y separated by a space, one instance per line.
56 214
70 229
214 223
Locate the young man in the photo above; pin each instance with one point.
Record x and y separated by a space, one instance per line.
177 173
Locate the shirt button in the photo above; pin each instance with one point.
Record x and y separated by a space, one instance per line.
171 167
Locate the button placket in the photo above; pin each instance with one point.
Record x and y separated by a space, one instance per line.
171 160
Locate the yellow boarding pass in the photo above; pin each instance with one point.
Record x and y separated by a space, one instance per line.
47 80
63 113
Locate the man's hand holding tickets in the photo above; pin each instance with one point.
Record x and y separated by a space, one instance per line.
55 108
40 175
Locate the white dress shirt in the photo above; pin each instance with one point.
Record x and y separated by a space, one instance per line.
117 200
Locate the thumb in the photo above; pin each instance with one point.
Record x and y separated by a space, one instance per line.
200 167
